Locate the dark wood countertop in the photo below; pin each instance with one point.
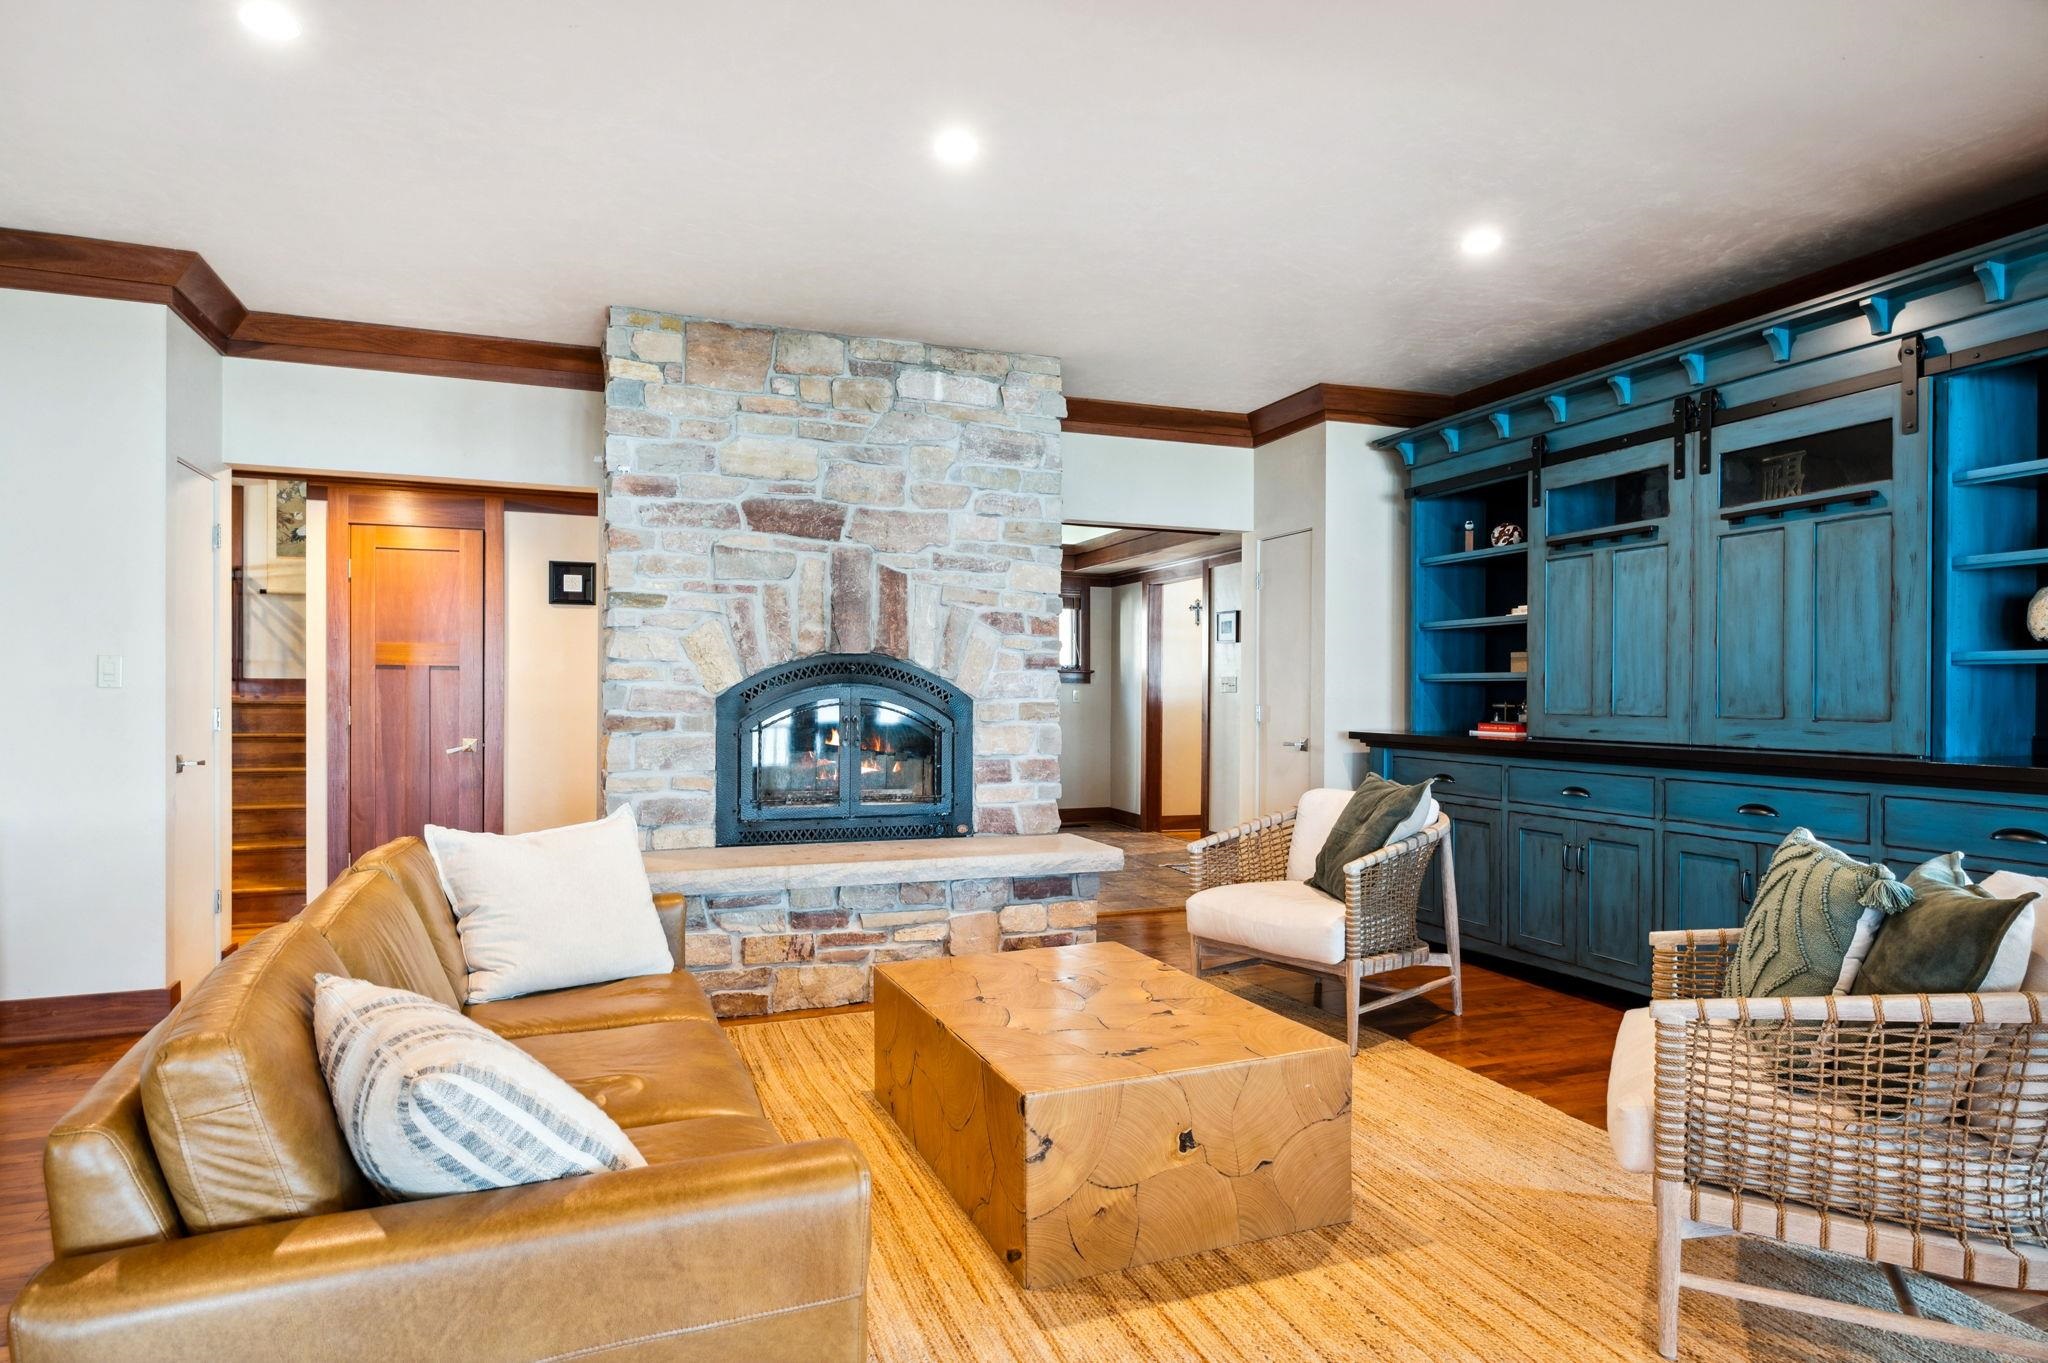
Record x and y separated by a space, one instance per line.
2016 775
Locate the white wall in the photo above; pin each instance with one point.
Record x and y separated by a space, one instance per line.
1085 714
1181 638
1118 480
1127 705
82 802
318 418
316 702
273 589
1228 691
552 684
1365 564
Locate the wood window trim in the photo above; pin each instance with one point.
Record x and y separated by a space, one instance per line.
349 504
1074 596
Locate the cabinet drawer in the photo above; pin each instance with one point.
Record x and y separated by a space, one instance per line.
1990 835
1568 789
1740 806
1454 780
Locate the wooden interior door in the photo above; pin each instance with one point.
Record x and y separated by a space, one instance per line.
415 639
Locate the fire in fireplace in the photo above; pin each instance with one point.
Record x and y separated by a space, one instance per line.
841 747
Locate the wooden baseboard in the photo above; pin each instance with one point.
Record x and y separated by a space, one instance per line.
1180 822
78 1017
1099 814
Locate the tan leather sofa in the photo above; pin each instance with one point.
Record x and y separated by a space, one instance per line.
203 1202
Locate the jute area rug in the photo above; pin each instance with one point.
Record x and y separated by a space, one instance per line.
1487 1226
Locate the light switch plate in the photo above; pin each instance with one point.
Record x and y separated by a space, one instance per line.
109 672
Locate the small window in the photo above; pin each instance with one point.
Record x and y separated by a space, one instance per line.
1074 633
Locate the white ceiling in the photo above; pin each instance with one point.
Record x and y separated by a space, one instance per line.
1197 202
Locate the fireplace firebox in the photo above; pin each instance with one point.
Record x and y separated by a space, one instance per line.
842 747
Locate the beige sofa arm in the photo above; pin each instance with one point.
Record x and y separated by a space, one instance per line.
1254 850
759 1254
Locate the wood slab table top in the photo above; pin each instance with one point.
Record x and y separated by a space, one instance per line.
1092 1108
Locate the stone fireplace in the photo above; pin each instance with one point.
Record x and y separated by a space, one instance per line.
833 574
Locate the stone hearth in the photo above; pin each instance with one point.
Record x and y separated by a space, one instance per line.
768 929
775 494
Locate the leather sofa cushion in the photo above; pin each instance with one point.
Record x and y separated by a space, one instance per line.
238 1113
702 1136
673 997
652 1073
372 925
407 861
105 1188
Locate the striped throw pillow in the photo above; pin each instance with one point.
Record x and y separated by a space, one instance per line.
431 1103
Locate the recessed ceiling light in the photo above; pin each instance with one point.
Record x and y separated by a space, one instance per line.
269 20
1481 241
956 146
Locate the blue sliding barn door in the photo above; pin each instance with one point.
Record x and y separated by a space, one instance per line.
1611 614
1813 616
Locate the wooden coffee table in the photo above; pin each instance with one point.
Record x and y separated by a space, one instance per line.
1093 1109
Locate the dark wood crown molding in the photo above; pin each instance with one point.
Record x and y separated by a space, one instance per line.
1980 230
1297 411
185 283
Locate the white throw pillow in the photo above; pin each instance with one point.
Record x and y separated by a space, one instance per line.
1315 814
431 1103
553 909
2011 885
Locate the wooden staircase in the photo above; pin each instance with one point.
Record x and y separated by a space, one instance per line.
269 841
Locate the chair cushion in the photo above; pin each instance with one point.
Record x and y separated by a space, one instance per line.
1272 918
433 1104
237 1110
1632 1092
1315 814
653 1073
372 925
671 997
407 861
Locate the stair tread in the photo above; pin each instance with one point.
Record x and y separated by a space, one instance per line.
271 887
269 733
266 844
271 767
241 805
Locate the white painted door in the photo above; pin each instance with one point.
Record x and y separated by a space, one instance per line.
196 756
1285 623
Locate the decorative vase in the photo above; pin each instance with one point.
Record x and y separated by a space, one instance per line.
2037 616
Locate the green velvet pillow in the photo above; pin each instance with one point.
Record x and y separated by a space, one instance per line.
1947 942
1365 825
1804 918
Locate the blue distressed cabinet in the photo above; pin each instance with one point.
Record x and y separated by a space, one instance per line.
1771 577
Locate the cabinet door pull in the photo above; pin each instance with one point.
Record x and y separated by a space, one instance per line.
2019 835
1445 778
1766 812
1577 792
1749 887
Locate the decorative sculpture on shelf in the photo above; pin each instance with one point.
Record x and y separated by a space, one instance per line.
2037 616
1507 532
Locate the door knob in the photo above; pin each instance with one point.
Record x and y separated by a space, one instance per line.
1298 744
466 745
184 762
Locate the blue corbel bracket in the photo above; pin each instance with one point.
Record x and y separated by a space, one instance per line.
1452 439
1779 339
1695 364
1500 422
1624 389
1558 405
1877 310
1996 278
1407 449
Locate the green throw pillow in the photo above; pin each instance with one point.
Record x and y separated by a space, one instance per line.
1945 943
1804 917
1368 819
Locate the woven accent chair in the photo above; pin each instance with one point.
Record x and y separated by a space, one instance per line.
1909 1131
1251 907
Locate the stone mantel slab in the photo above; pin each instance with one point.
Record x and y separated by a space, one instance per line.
748 870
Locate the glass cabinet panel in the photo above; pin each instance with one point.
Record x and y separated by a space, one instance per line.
1848 456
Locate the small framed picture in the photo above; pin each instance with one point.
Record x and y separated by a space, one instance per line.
1226 627
572 584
